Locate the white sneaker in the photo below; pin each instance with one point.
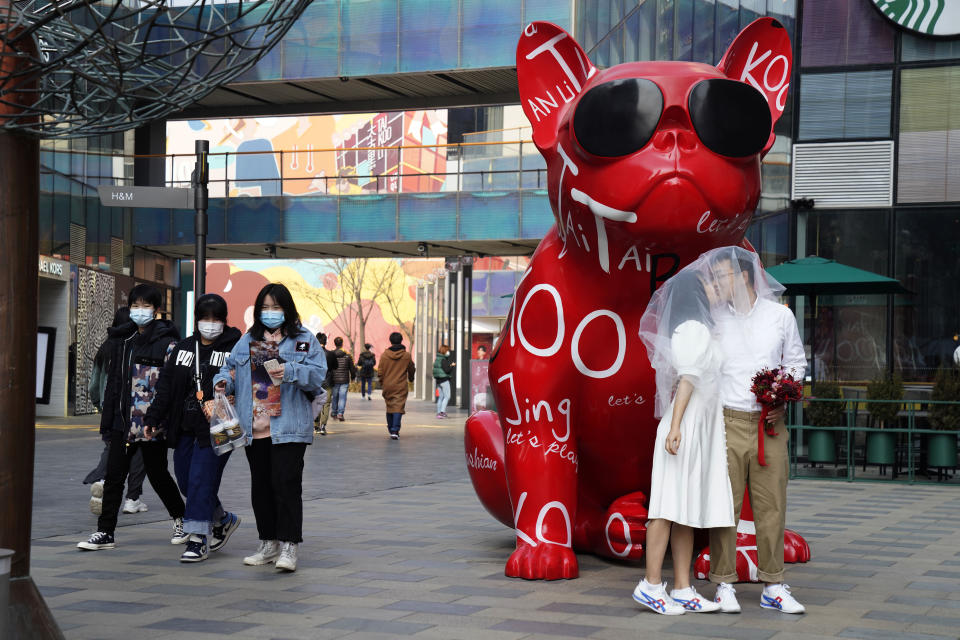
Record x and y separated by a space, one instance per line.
655 597
727 598
179 537
96 489
134 506
288 557
693 601
266 553
778 598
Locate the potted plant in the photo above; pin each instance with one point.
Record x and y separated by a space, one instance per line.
880 446
821 445
942 447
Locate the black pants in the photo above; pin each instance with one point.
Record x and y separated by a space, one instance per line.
276 488
134 479
118 466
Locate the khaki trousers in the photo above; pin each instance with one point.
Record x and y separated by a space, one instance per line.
768 496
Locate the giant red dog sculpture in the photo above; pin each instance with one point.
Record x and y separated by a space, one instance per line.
649 164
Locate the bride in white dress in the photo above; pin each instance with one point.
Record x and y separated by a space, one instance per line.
689 484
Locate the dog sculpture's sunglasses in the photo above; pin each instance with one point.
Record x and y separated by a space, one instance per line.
619 117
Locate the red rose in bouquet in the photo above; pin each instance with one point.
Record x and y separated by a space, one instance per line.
772 387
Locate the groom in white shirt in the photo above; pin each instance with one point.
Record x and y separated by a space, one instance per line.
757 333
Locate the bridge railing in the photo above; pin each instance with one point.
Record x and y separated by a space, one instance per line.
483 165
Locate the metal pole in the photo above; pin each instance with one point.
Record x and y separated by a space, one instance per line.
200 179
467 336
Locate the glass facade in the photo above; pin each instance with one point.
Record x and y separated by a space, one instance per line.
70 171
615 31
375 37
853 86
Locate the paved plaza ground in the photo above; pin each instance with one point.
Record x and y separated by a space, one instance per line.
396 544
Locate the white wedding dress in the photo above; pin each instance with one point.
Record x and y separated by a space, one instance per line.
692 487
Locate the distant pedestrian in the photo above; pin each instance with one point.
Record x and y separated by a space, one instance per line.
96 389
192 365
442 370
274 371
366 363
131 386
396 370
341 377
320 422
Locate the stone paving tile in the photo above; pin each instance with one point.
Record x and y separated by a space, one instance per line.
550 628
926 619
954 575
434 607
590 609
220 627
882 634
934 586
111 607
391 627
718 631
469 590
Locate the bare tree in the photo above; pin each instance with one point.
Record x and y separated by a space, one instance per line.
394 298
350 303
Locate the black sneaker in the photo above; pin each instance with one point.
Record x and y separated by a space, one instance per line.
323 430
394 436
99 540
196 550
222 532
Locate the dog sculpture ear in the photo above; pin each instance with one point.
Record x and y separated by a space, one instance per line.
761 56
551 71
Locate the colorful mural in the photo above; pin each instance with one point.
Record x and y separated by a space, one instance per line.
332 154
325 292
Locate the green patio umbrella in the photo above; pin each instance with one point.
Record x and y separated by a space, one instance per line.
814 275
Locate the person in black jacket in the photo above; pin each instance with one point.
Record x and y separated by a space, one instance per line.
366 361
195 360
134 372
341 377
95 390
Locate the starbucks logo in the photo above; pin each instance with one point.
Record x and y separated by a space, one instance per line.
929 17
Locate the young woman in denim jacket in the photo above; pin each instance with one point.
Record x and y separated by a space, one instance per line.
275 410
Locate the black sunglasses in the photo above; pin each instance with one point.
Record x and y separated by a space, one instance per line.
620 117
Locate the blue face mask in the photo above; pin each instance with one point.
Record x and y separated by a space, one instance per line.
271 319
142 317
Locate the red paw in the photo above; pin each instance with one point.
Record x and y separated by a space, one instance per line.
625 527
543 562
795 548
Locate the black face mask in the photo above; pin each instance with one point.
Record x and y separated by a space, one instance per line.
620 117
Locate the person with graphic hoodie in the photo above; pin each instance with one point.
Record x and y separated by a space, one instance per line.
320 421
275 371
366 362
135 367
395 370
96 389
341 377
191 367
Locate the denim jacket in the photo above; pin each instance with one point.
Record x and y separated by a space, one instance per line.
305 367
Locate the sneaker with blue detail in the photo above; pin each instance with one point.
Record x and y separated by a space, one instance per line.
778 598
223 531
654 596
196 549
693 601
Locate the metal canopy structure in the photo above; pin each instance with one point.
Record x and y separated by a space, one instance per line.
77 68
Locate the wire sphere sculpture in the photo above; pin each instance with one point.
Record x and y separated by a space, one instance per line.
78 68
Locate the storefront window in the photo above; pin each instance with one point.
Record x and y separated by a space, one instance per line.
848 332
928 264
845 105
841 32
929 157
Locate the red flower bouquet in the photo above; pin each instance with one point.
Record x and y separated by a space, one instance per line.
773 388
